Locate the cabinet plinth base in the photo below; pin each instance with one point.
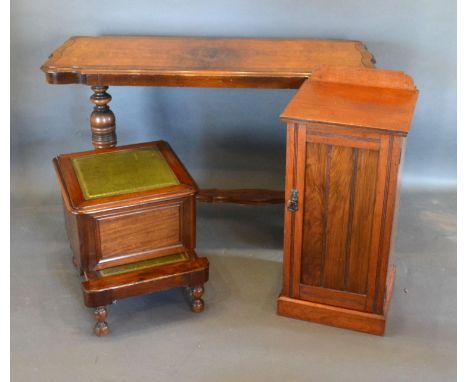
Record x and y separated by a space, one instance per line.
340 317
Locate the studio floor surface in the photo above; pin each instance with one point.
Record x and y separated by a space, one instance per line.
238 337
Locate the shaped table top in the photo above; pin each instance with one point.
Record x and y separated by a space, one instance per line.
198 62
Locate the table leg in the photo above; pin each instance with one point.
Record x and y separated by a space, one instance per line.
102 119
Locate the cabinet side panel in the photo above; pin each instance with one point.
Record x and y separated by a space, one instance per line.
188 223
71 226
387 224
361 227
340 191
381 191
314 214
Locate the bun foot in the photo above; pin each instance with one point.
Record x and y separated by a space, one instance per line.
101 328
198 305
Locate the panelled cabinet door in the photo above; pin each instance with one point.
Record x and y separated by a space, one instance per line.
340 177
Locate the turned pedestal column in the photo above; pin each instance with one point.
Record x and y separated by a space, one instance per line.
102 119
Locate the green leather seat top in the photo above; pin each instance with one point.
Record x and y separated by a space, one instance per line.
123 172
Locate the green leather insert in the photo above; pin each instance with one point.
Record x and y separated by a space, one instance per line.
158 261
123 172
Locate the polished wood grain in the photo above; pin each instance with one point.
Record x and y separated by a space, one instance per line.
340 164
200 62
315 206
339 192
390 79
338 242
142 230
241 196
392 189
360 235
378 224
336 297
366 103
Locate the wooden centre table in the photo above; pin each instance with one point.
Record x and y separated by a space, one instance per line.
106 61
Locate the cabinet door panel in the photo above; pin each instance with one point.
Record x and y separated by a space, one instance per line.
337 217
361 225
313 248
339 188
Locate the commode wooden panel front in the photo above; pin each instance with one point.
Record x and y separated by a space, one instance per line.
138 233
341 183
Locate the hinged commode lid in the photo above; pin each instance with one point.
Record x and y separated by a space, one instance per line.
369 98
122 172
122 176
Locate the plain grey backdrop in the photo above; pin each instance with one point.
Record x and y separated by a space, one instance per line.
228 138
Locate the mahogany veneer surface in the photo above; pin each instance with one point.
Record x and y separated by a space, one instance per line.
383 100
191 61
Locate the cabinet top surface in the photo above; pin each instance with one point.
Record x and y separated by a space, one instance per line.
370 98
126 60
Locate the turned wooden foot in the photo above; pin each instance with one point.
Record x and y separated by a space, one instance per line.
197 302
102 119
101 328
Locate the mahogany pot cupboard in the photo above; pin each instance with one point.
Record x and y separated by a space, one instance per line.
345 135
345 132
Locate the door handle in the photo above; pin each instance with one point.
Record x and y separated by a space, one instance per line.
293 201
